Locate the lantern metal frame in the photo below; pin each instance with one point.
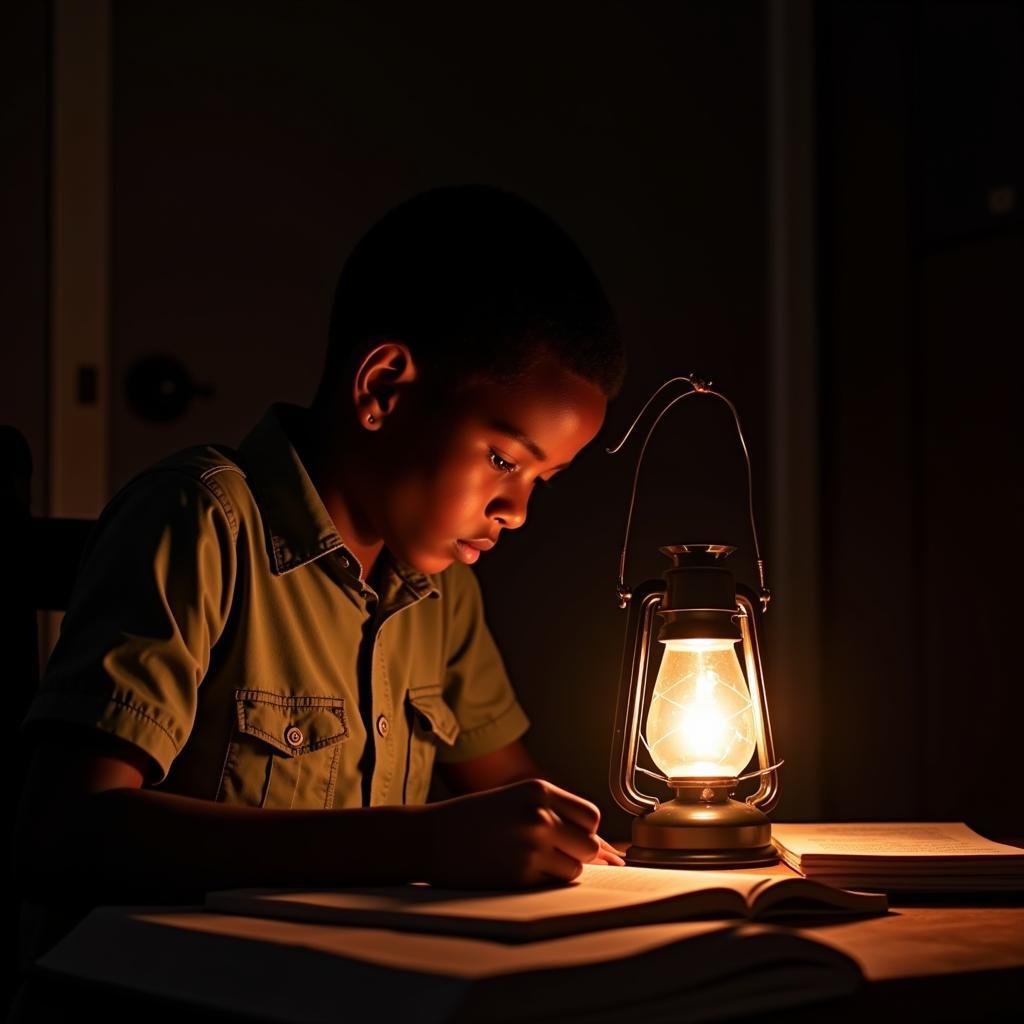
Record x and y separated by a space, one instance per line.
703 826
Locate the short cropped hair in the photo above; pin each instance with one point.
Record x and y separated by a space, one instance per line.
476 281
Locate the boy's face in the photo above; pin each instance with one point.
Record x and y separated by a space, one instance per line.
465 473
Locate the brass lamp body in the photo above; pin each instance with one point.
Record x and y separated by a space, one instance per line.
698 602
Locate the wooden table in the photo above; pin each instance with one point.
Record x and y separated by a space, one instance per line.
937 959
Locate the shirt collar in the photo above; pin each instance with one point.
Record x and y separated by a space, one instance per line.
298 527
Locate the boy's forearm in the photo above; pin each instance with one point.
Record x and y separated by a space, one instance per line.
511 763
141 845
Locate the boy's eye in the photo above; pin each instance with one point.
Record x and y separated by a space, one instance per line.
504 466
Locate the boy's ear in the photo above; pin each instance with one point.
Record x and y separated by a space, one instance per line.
379 381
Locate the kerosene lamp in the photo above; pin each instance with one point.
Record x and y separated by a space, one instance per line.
706 716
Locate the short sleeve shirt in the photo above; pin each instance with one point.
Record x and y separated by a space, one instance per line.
220 624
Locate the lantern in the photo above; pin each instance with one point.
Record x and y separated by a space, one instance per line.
705 717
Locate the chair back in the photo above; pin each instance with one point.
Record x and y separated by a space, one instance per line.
39 568
37 573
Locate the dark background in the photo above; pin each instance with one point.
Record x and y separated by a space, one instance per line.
743 177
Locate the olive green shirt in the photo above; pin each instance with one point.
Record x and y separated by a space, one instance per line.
220 624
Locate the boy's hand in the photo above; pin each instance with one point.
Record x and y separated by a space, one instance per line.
525 834
607 854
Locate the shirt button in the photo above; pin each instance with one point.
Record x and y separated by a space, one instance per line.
293 736
343 560
383 725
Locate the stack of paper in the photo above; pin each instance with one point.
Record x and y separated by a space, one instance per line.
901 857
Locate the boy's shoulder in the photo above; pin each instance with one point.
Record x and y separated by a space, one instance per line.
202 462
210 468
216 470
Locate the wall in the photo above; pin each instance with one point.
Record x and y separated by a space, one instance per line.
24 240
922 180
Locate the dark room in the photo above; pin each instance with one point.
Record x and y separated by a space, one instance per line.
514 510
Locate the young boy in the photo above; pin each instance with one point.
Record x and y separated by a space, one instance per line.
268 649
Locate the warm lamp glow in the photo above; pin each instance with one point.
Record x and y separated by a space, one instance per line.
700 723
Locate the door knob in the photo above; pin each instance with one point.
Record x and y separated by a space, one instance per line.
159 388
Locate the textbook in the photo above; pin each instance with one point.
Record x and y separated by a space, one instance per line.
601 897
295 972
931 857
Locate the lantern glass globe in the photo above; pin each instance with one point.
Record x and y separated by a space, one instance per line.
701 722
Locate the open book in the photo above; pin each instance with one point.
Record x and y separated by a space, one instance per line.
601 897
257 968
901 856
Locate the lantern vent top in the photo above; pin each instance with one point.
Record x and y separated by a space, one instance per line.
697 554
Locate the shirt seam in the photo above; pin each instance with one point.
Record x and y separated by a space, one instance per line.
218 492
214 487
121 703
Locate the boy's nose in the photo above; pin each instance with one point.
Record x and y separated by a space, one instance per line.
510 522
510 513
509 519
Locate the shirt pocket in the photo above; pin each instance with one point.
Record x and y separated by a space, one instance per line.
284 750
431 722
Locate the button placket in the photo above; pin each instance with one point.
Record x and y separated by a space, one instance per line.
384 767
395 596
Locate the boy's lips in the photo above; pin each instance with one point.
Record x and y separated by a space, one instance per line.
484 544
468 551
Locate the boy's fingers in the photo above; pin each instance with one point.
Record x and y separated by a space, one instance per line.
560 865
608 854
572 808
573 841
607 847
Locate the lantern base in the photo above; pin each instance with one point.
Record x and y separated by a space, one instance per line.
709 860
688 834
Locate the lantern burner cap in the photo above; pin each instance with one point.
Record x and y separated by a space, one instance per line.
688 553
694 790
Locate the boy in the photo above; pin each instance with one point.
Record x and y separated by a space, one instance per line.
268 649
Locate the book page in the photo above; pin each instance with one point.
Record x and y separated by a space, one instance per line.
599 888
889 839
455 955
660 883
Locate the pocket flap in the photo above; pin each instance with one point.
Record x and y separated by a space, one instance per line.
292 723
433 712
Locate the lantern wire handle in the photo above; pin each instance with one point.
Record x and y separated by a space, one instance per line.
700 387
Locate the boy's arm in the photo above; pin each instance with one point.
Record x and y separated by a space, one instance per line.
88 831
511 763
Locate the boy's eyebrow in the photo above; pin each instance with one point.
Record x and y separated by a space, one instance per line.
527 442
